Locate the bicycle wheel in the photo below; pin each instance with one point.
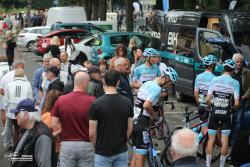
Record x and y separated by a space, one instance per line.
166 131
216 150
166 158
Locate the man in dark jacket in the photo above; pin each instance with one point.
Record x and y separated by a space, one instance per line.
95 87
35 147
184 149
124 86
241 117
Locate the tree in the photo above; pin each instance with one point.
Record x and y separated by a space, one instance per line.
129 15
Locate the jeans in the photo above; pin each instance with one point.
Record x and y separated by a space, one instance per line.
76 154
245 119
119 160
236 122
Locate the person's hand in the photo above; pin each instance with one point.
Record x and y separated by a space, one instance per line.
59 130
158 120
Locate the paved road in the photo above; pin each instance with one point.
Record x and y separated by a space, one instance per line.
32 62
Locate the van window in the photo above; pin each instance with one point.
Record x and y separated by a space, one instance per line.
186 41
142 41
121 39
206 48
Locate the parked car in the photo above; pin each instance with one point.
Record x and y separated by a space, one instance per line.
104 45
84 46
28 36
44 41
85 26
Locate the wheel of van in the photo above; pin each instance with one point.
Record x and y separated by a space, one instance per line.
179 96
30 46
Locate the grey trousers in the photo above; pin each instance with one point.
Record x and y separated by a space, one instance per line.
76 154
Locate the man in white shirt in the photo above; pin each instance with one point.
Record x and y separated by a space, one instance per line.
65 65
4 69
14 92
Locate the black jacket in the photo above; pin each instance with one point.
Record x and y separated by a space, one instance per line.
28 147
186 162
125 88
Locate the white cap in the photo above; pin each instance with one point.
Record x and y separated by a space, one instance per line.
77 67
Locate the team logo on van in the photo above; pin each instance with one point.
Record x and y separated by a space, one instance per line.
172 18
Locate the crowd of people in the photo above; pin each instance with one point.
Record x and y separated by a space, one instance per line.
75 113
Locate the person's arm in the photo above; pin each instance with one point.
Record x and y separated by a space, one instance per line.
247 91
35 85
43 151
55 124
136 84
92 131
130 127
236 96
208 100
196 97
148 106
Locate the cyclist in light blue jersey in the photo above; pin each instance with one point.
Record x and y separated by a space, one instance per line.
222 97
147 96
201 86
147 71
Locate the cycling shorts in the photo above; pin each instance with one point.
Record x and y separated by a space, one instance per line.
219 120
140 135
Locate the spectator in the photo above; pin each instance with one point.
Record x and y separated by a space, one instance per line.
10 47
72 114
36 140
37 80
137 59
132 44
184 148
95 87
121 51
53 48
240 119
65 65
102 64
87 64
110 124
69 86
46 117
69 47
15 91
119 20
4 69
124 85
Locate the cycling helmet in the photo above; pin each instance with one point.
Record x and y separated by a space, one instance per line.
209 60
230 63
171 73
149 52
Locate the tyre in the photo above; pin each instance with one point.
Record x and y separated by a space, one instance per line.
166 131
30 46
166 158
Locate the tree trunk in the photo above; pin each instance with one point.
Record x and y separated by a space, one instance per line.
95 9
102 9
129 15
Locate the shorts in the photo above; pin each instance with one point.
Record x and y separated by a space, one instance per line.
140 135
203 113
217 120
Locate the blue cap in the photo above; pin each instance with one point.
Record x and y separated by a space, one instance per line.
25 105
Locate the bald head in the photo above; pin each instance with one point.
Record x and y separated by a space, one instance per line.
184 143
55 62
81 81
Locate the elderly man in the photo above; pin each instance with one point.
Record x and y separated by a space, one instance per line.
71 112
241 117
124 88
184 148
65 65
36 83
36 142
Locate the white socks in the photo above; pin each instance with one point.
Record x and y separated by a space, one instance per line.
222 160
208 160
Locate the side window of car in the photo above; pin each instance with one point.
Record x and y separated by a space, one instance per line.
142 41
121 39
90 42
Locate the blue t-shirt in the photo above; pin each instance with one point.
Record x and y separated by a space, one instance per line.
149 91
144 73
224 89
202 83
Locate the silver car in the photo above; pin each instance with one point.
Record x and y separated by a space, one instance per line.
28 36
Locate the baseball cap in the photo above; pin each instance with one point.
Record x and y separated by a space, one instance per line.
53 69
25 105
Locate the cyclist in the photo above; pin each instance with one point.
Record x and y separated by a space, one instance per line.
201 86
147 71
148 95
222 90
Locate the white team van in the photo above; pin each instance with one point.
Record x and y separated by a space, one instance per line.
71 14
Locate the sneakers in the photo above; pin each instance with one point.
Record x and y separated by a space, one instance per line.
3 132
